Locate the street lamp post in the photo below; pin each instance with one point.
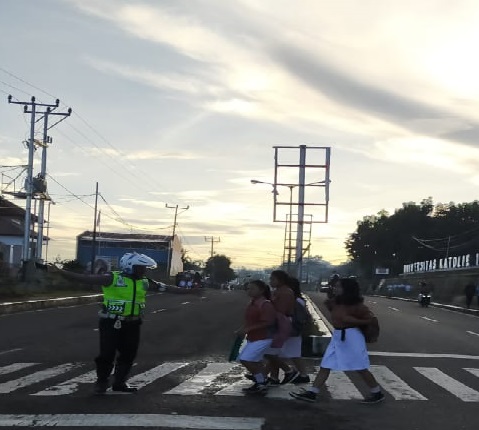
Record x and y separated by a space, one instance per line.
299 238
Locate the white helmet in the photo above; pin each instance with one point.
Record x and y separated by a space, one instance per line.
131 259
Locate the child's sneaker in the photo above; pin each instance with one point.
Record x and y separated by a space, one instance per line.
270 382
374 398
304 395
290 377
302 380
256 388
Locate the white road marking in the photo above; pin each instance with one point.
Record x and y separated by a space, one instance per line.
393 309
203 379
10 350
340 387
185 303
475 372
145 378
429 319
33 378
420 355
14 367
395 385
68 387
133 420
203 297
473 333
458 389
235 388
159 310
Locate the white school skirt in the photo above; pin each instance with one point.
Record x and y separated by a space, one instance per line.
350 354
291 348
254 351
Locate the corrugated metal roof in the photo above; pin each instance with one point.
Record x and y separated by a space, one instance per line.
124 237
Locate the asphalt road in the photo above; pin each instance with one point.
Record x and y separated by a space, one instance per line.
426 359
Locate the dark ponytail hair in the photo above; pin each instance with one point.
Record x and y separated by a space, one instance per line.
263 286
351 294
293 283
281 276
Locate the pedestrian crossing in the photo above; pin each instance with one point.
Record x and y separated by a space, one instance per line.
226 380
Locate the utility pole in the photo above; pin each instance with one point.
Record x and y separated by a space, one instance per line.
212 240
34 109
43 174
93 242
170 254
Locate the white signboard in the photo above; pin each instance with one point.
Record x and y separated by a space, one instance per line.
447 263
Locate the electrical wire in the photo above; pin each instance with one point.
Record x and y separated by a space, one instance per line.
76 114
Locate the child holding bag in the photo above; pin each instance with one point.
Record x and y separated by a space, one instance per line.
260 319
347 349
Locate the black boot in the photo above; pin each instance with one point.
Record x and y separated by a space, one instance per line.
124 388
121 373
101 387
103 372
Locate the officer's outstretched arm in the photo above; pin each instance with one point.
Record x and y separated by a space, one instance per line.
172 288
105 279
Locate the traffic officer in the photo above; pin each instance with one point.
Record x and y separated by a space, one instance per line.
124 294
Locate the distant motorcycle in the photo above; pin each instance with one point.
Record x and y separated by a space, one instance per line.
424 299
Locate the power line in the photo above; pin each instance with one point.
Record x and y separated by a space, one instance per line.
27 83
128 166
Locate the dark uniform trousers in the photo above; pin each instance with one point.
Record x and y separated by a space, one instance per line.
125 340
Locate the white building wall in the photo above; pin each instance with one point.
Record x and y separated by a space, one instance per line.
176 263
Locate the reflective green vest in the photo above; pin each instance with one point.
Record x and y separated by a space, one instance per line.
125 296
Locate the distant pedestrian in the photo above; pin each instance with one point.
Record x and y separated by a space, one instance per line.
260 318
347 349
469 291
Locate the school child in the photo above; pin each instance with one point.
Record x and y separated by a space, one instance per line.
284 302
291 350
260 319
347 349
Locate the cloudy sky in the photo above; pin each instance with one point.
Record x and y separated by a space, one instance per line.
180 102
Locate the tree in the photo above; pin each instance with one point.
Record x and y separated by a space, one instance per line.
415 232
189 264
219 270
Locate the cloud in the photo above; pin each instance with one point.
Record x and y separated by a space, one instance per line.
348 90
436 153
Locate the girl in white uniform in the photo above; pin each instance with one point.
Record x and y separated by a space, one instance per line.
347 350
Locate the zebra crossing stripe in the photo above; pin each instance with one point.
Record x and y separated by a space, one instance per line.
395 385
33 378
340 387
14 367
203 379
458 389
133 420
68 387
234 389
143 379
475 372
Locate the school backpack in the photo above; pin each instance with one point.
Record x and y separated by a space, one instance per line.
371 331
301 319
